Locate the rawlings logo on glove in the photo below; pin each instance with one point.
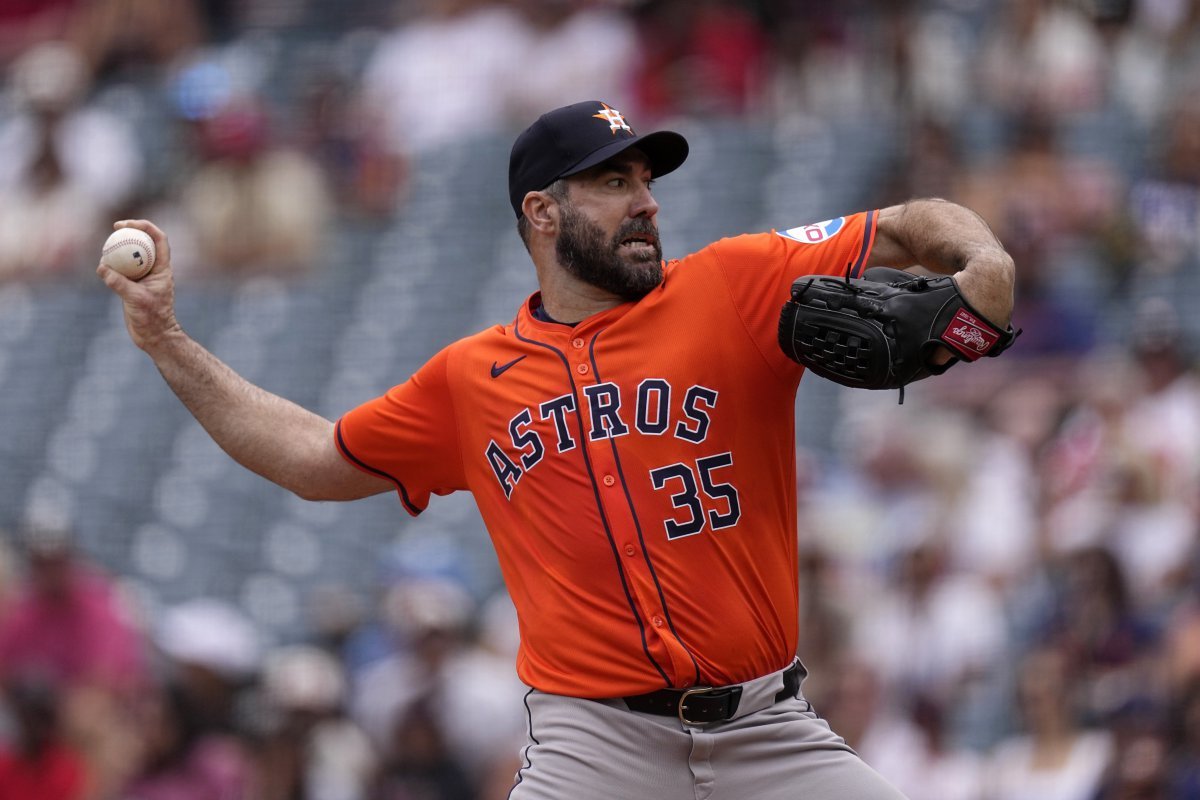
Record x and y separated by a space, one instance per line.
881 331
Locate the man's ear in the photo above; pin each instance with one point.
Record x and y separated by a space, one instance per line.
541 210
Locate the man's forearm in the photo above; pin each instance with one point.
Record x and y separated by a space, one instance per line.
952 240
263 432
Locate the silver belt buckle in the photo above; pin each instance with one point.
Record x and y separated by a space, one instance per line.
683 703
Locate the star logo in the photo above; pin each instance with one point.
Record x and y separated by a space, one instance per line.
616 122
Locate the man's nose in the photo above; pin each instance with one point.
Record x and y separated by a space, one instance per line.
644 204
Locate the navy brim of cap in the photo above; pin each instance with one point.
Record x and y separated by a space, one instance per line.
666 150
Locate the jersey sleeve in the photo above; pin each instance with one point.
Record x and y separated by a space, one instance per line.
408 436
763 265
759 268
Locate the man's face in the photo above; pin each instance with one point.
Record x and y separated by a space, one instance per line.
607 232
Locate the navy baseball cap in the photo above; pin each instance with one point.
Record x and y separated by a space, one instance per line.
570 139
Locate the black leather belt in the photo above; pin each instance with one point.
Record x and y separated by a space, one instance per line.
704 704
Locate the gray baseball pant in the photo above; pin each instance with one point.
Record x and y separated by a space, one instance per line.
600 750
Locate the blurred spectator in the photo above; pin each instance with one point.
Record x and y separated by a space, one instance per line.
931 767
1137 36
1139 766
67 167
1184 743
305 745
470 685
444 75
829 60
1110 477
255 204
213 653
1090 447
1167 413
67 621
1056 758
1154 523
418 763
995 515
1052 209
123 37
871 720
1185 50
934 633
937 49
69 626
1165 208
1181 656
931 166
1043 57
25 23
39 763
573 50
944 771
179 758
703 58
367 177
824 623
892 492
1109 643
336 613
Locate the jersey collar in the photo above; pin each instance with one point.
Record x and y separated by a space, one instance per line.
529 320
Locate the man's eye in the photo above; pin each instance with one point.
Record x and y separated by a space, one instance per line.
616 183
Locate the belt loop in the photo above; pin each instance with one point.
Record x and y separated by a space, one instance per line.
792 677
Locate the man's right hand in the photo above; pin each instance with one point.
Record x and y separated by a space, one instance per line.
149 303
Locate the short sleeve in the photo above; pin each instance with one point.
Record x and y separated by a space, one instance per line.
408 436
759 268
769 262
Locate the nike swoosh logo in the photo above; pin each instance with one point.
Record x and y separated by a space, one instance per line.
497 371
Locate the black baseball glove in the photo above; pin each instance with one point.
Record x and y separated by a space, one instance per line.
881 331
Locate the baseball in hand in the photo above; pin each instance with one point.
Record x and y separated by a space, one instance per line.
130 252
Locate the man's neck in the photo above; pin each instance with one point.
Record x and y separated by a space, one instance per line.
567 299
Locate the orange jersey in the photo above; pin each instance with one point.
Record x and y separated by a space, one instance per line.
636 471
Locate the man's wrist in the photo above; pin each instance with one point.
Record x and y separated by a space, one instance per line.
162 344
987 286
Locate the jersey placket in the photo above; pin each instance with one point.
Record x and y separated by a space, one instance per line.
617 507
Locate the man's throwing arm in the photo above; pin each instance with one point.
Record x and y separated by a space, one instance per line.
263 432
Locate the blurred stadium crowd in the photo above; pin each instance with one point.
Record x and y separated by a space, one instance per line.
1000 579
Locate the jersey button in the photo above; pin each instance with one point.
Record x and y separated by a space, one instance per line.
577 343
609 480
630 550
658 621
582 369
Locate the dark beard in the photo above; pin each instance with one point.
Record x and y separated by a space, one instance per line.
584 253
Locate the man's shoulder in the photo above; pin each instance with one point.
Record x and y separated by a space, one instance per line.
742 244
492 333
479 347
721 253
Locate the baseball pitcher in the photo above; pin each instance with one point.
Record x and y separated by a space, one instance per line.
629 440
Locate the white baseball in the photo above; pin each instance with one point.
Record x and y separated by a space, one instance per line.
130 252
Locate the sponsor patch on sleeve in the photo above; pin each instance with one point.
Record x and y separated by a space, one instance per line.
816 232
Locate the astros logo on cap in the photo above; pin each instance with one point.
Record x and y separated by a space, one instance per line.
615 121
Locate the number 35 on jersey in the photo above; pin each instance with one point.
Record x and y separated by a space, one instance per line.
697 492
